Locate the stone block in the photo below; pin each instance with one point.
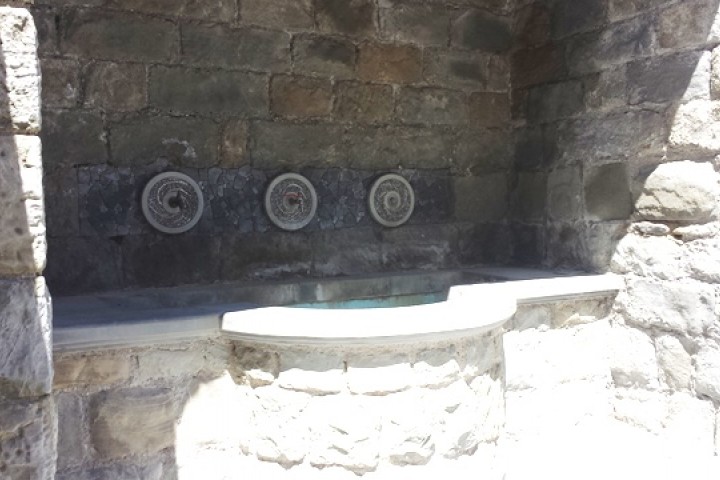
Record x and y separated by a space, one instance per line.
534 66
167 366
698 88
221 46
632 359
661 79
480 151
116 86
46 30
254 366
481 199
61 203
553 102
715 74
529 196
218 10
344 194
618 43
707 373
607 192
28 441
565 193
431 106
532 25
181 142
79 370
436 367
281 426
157 261
405 440
659 257
23 244
571 16
279 145
118 36
320 55
311 371
364 102
528 244
295 96
280 14
421 24
133 421
489 109
535 147
680 307
20 93
625 8
233 146
25 325
640 408
606 90
465 70
188 90
345 252
265 256
82 264
347 17
73 138
689 426
72 442
481 355
60 82
479 30
389 63
696 128
689 24
17 31
381 373
419 246
680 191
675 362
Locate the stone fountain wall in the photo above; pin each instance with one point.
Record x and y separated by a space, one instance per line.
27 412
233 93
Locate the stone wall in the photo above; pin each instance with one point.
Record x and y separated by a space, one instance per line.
27 412
183 410
232 95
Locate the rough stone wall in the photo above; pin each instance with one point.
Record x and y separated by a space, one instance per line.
185 410
233 93
27 412
614 105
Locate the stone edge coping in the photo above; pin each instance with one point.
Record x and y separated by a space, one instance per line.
401 324
469 310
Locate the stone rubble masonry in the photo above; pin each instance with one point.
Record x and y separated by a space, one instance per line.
131 89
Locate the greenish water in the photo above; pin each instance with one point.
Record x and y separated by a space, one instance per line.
380 302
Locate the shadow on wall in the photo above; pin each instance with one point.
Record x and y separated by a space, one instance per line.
27 418
603 93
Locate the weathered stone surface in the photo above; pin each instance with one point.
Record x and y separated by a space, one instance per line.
437 367
688 24
28 441
377 148
565 193
532 25
72 442
661 79
80 370
233 149
405 440
25 329
73 138
151 469
364 102
60 82
255 366
350 17
314 372
675 362
218 10
23 244
118 36
489 109
685 191
431 106
418 246
294 96
133 421
659 257
20 81
480 151
481 199
265 255
345 252
689 425
379 374
684 308
389 63
466 70
165 366
574 16
187 90
279 145
61 203
82 264
632 359
538 65
183 142
640 408
17 31
696 126
224 47
280 426
284 14
324 55
707 374
415 23
552 102
529 196
651 229
478 30
607 192
116 86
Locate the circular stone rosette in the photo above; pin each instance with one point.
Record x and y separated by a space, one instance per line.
392 200
172 202
290 201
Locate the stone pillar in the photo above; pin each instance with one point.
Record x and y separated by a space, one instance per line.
27 412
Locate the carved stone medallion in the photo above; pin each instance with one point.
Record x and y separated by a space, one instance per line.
391 200
172 202
291 201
